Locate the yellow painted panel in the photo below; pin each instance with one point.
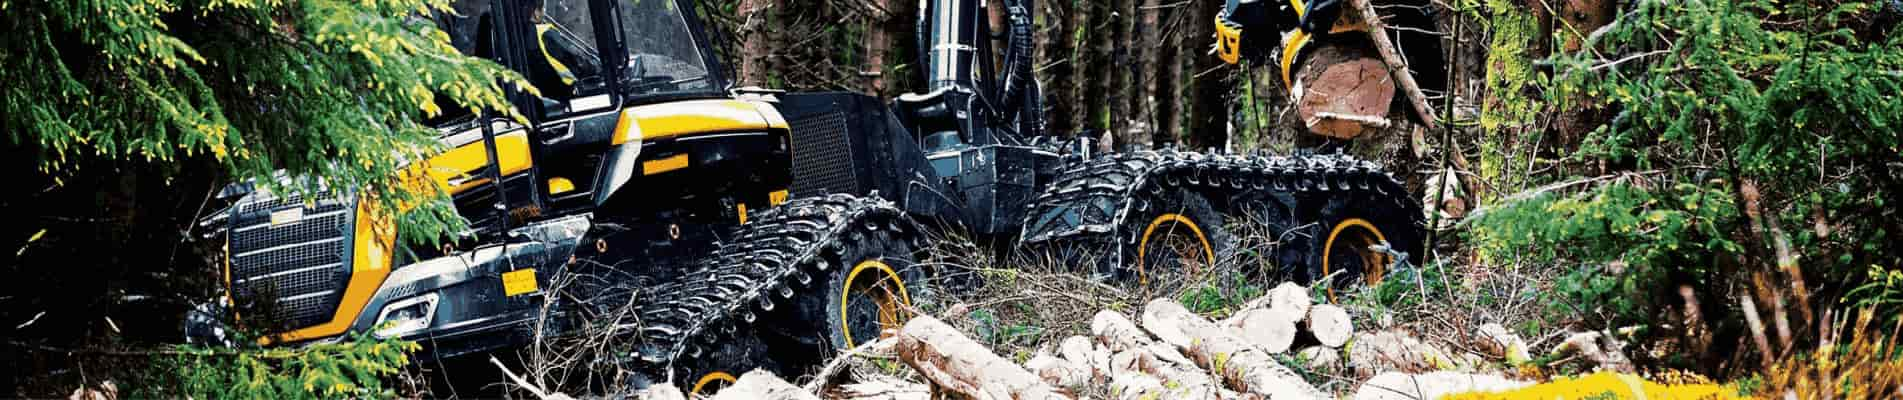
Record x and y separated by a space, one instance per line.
518 282
461 168
375 233
680 118
559 185
775 198
674 162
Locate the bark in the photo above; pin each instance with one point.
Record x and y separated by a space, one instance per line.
1208 125
1158 359
1223 353
877 43
1149 45
755 44
1169 86
763 385
1054 47
954 362
1125 100
1330 324
1082 63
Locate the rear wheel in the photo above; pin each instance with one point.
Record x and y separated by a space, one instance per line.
1177 235
1354 244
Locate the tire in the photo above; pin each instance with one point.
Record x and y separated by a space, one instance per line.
1339 248
1177 232
878 286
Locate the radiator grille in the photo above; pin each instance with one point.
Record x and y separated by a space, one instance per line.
822 156
303 265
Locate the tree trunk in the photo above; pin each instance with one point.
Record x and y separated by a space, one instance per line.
1147 43
1054 48
756 47
877 43
956 363
1169 87
1209 112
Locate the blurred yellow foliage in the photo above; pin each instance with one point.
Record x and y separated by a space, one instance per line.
1604 385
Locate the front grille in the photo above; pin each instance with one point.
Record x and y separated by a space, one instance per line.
301 266
822 155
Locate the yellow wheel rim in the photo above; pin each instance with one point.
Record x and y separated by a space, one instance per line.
1209 252
711 377
888 309
1373 263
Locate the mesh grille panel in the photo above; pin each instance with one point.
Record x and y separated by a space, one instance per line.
822 156
301 264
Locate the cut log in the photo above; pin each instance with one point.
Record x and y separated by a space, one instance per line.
1269 330
1605 351
879 387
1136 386
660 392
763 385
956 363
1158 359
1337 80
1223 353
1330 324
1322 359
1432 385
1391 57
1387 351
1059 371
1291 297
1497 341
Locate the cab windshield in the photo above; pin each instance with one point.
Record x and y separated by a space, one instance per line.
663 56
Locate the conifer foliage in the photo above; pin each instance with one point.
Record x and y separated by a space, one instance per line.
322 88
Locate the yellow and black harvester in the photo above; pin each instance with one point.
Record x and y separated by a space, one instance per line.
749 228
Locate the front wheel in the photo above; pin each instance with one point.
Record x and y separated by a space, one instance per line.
876 288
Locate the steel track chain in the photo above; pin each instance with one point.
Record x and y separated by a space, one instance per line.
780 255
1090 200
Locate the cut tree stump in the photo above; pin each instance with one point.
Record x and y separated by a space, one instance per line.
1330 324
954 362
1270 330
1223 353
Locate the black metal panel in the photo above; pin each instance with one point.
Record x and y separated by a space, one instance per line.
303 265
853 144
823 155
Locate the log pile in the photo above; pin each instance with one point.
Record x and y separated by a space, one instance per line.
1164 351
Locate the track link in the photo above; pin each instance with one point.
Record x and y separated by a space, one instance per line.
777 259
1088 209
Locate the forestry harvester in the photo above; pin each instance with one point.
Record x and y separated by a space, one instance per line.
750 228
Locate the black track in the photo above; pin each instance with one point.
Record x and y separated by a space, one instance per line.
1098 208
782 257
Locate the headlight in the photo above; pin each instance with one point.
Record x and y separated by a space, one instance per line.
406 316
